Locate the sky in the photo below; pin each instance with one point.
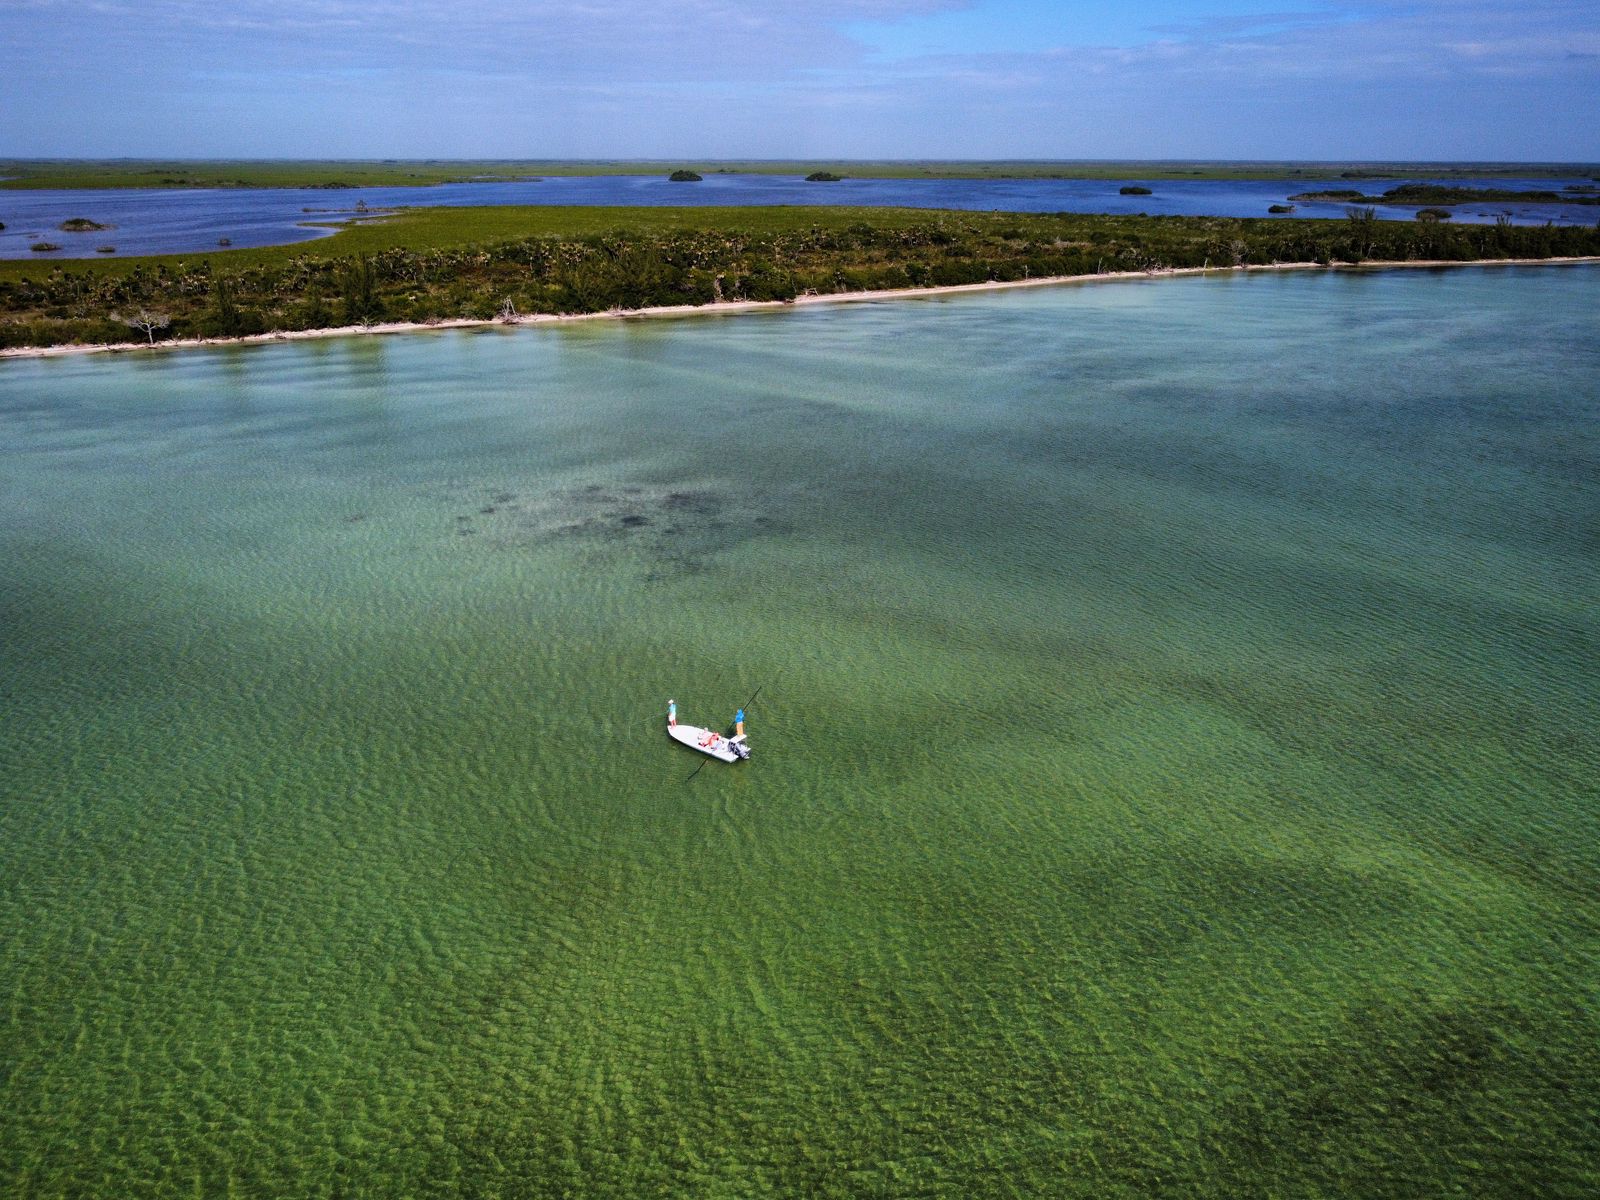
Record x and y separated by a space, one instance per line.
1512 80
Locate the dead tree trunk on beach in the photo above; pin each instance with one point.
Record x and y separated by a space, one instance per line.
146 322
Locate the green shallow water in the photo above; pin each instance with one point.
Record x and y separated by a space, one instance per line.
1174 774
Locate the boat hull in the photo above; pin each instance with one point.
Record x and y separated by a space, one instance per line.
707 741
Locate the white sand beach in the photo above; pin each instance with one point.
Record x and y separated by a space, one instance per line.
738 306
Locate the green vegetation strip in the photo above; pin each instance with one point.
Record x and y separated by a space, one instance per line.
1422 193
338 173
436 264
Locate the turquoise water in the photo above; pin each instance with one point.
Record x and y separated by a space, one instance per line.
1174 770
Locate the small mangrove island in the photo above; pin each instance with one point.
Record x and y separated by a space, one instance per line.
1427 193
683 176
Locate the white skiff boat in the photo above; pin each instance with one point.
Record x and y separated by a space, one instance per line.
709 741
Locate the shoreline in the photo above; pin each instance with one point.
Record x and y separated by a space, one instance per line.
721 307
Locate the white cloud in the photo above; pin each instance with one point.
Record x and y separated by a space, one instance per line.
431 77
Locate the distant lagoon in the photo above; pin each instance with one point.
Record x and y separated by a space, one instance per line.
183 220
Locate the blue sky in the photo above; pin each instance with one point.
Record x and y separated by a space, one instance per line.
705 79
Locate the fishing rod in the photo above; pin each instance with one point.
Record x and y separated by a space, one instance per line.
655 716
738 720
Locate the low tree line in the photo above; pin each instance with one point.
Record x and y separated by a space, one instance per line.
628 269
